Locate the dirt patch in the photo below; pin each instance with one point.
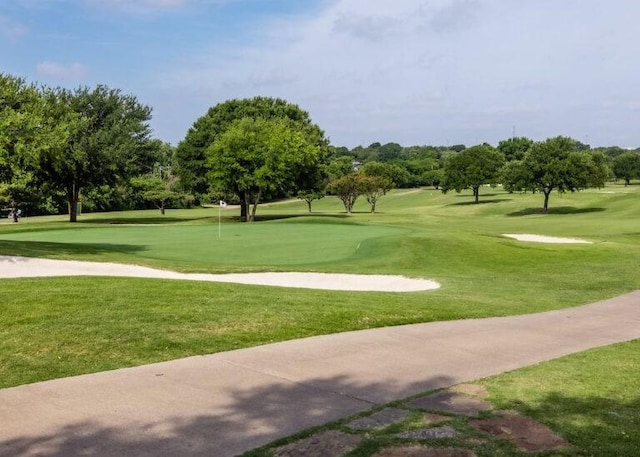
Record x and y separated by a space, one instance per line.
524 432
470 389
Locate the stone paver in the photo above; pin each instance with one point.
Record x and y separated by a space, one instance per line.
420 451
451 402
430 433
328 444
379 420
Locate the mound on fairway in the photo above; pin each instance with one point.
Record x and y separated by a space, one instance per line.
20 267
545 239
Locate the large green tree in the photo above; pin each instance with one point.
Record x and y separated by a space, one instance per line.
471 168
108 137
626 166
26 131
514 148
556 164
192 165
254 157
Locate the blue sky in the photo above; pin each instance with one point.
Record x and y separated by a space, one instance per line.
408 71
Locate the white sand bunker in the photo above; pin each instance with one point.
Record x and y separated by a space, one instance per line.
545 239
23 267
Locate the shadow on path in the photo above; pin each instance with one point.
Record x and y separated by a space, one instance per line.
251 418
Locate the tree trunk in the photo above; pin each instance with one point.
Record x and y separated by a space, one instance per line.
243 210
545 208
255 206
73 196
309 204
476 193
14 210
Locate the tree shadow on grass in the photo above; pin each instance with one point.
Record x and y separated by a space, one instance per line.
596 424
470 196
251 417
47 249
159 220
555 210
480 202
317 216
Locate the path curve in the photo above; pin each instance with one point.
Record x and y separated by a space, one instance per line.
227 403
22 267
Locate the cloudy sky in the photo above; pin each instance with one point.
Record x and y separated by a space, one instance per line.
408 71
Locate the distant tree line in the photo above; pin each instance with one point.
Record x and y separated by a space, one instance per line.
519 164
91 148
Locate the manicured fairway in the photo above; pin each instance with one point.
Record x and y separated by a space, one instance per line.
52 327
198 248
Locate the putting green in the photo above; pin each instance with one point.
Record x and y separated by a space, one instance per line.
255 245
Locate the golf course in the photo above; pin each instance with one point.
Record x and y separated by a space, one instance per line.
53 327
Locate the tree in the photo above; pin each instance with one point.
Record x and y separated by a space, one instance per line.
373 187
107 131
346 189
556 164
158 187
25 132
192 163
309 196
471 168
255 156
397 175
339 167
514 148
627 166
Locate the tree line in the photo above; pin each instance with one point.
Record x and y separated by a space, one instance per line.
60 148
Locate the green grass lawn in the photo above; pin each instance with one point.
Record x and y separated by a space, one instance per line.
591 398
56 327
53 327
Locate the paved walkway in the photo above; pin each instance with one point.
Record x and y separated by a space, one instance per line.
224 404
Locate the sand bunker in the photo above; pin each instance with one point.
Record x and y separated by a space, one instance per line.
545 239
22 267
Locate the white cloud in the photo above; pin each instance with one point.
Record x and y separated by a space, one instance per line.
455 16
418 71
11 30
72 72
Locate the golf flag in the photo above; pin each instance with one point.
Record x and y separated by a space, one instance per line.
223 204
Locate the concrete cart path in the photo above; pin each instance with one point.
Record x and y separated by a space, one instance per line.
227 403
